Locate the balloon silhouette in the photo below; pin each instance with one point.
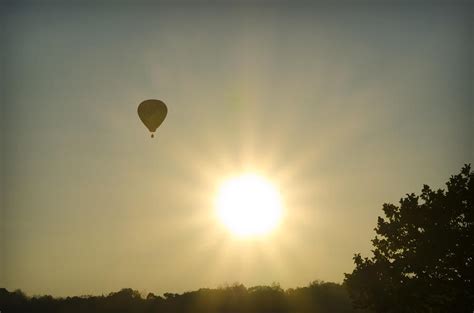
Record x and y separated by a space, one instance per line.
152 113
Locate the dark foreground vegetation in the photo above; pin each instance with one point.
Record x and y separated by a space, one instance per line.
422 262
423 255
317 297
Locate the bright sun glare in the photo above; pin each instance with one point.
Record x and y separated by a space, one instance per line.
249 205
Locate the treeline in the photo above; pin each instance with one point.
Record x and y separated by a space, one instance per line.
318 297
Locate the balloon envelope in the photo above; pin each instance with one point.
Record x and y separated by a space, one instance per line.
152 113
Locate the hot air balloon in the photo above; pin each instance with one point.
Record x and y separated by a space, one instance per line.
152 113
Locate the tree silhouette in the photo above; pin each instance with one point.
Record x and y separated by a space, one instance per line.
318 297
423 253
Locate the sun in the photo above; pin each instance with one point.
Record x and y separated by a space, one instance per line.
249 205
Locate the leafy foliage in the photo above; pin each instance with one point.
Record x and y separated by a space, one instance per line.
423 253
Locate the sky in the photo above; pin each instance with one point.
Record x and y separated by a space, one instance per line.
343 107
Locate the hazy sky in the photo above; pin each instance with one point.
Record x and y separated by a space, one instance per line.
344 107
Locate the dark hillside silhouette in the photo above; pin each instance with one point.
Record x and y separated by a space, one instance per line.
423 253
317 297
